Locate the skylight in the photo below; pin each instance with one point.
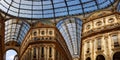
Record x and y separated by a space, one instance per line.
15 30
51 8
70 29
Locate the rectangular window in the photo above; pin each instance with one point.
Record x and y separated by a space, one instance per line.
115 40
88 47
50 52
99 43
42 52
34 33
34 52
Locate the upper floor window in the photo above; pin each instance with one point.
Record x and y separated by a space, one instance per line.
34 33
99 43
50 32
88 47
42 32
115 40
88 44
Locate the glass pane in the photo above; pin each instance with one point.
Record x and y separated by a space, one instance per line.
38 9
15 29
71 34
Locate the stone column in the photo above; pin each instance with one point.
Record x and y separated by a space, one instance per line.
47 52
107 47
37 53
82 52
2 30
53 53
93 51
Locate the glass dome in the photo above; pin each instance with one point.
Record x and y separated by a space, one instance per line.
51 8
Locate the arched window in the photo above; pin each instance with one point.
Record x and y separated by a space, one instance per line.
116 56
10 54
100 57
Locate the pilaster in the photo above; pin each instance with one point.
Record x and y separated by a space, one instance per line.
2 29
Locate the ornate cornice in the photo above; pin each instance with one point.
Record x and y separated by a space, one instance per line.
104 29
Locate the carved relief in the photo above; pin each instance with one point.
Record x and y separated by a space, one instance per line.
88 27
99 23
111 20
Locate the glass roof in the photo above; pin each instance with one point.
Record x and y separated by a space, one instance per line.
15 30
118 7
51 8
71 31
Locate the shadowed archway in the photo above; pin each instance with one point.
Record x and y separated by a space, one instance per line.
116 56
88 58
100 57
10 54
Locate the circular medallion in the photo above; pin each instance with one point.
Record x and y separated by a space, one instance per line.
99 23
111 20
88 27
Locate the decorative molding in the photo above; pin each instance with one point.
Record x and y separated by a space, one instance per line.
88 54
99 51
100 29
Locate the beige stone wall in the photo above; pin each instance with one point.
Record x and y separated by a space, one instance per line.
107 46
104 22
43 43
29 53
107 43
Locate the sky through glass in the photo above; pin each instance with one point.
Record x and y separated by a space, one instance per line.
51 8
70 29
10 54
